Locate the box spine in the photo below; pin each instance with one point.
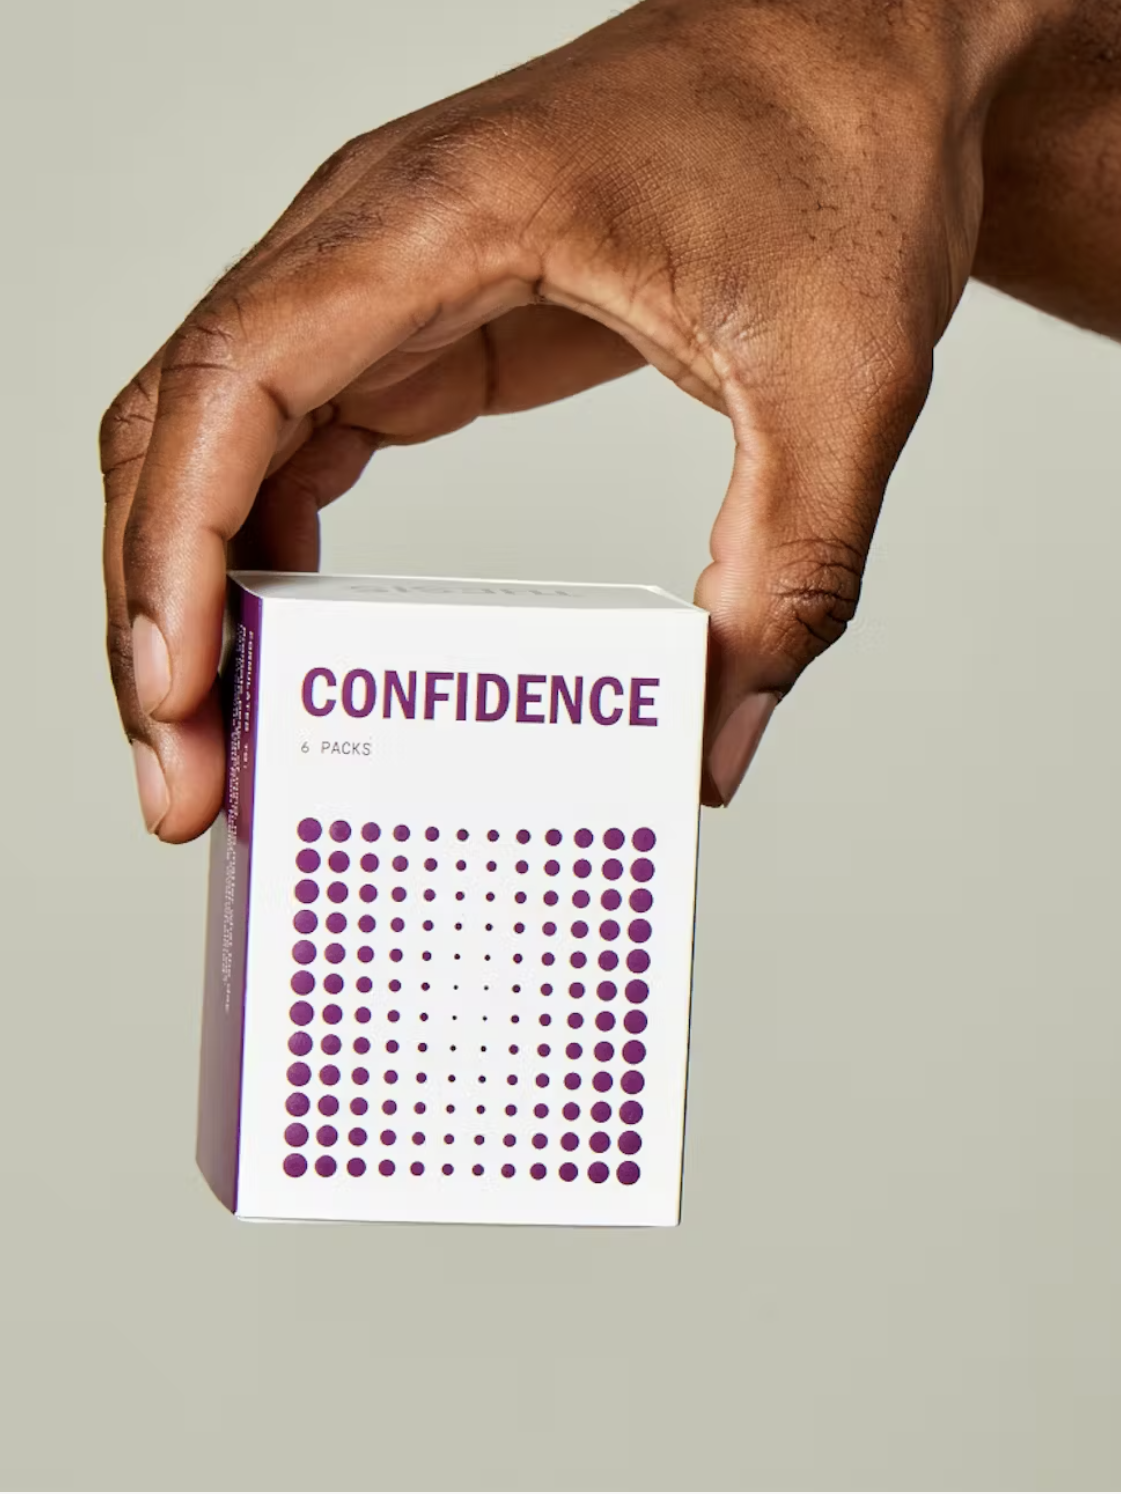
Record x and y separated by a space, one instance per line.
231 844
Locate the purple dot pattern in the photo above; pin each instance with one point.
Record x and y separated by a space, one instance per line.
467 974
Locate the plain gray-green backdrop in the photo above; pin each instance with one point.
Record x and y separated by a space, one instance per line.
900 1262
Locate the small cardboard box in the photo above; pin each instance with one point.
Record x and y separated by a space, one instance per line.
452 901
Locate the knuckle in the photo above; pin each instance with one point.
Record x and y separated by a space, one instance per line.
126 425
813 597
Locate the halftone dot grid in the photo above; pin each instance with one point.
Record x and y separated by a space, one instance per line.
469 1001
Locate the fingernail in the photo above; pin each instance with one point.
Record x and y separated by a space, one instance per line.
735 746
150 785
151 664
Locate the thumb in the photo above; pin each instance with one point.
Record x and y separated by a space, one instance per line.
790 543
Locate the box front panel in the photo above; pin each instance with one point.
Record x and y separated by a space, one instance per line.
471 931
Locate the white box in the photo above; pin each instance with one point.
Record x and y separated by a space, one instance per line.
451 904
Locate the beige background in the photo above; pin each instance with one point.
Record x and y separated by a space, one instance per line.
900 1263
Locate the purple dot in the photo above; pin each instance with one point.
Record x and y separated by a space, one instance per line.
548 929
338 861
627 1172
371 832
301 1013
637 991
329 1074
303 983
309 829
582 868
362 1045
576 990
540 1140
570 1141
578 959
511 1078
401 832
295 1165
340 831
399 894
583 838
390 1076
432 833
356 1167
328 1105
542 1081
602 1082
571 1111
326 1136
296 1135
601 1112
461 835
537 1171
552 868
492 835
611 899
572 1081
332 1014
297 1104
581 899
387 1167
569 1172
335 953
574 1051
551 899
605 1052
478 1169
553 837
508 1169
333 984
644 840
638 930
359 1106
605 1021
519 897
400 863
543 1050
362 1014
299 1074
599 1172
633 1082
614 839
387 1138
370 862
638 961
418 1138
523 837
360 1076
308 861
635 1022
389 1107
600 1141
612 869
606 990
447 1169
416 1169
368 892
363 984
541 1111
325 1167
630 1142
630 1112
331 1043
303 952
548 958
608 960
642 870
336 922
575 1019
579 929
305 922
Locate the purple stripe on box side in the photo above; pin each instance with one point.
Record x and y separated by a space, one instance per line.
231 842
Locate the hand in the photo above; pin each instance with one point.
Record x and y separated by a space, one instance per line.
776 205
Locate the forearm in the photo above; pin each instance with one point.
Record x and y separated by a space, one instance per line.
1051 228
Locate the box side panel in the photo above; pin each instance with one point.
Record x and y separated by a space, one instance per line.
228 912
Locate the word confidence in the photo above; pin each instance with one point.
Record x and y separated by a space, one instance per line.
536 699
